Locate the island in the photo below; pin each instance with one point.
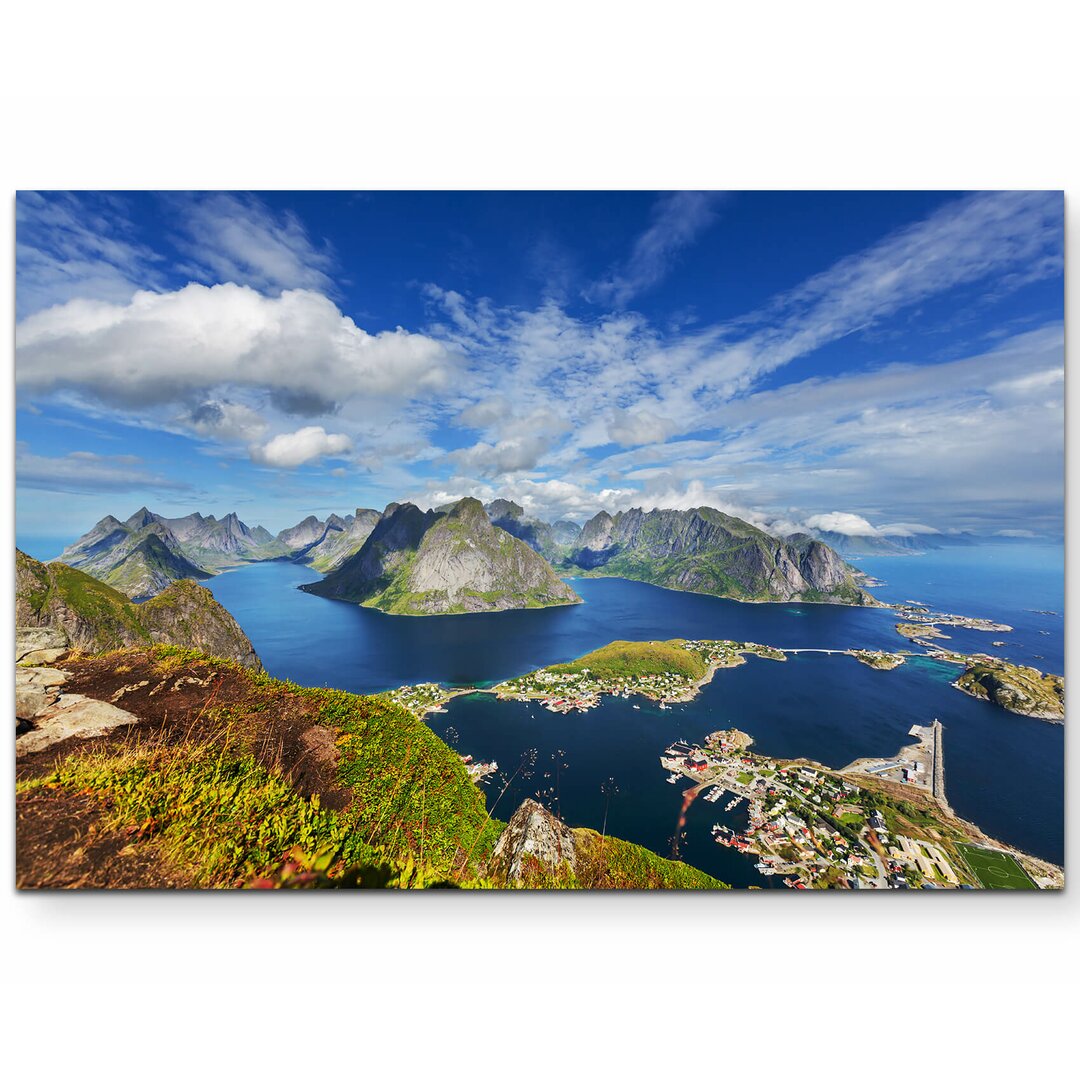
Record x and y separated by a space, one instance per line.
880 661
707 551
663 671
450 561
1014 687
919 631
1019 689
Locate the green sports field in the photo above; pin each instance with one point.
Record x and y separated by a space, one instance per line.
995 869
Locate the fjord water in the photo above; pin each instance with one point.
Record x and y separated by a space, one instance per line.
1004 772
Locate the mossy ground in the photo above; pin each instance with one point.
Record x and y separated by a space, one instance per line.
635 658
236 778
112 614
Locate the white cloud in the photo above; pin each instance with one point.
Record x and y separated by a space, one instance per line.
81 472
237 238
505 456
678 219
226 421
841 522
299 447
1017 534
162 348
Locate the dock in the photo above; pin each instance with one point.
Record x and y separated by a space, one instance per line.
921 765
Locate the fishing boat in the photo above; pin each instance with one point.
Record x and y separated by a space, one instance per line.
673 778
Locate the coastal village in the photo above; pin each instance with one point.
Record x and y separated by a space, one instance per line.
579 687
817 828
880 823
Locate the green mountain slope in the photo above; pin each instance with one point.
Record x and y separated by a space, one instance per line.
438 563
704 550
94 617
250 781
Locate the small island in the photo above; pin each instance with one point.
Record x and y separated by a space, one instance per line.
919 631
663 671
880 661
1022 690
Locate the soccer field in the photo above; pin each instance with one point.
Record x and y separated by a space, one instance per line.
995 869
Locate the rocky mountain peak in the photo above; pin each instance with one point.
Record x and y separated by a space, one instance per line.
534 842
141 518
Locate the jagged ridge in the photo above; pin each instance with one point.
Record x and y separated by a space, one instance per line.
704 550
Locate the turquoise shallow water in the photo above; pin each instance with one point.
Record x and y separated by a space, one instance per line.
1004 772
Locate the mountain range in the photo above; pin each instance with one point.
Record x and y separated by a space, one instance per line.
704 550
467 557
893 544
145 553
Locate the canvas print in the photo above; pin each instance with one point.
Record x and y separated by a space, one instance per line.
540 540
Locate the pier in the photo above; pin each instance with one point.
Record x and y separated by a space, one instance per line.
939 768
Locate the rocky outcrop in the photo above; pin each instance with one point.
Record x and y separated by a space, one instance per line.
45 716
704 550
58 608
187 614
443 562
39 644
534 843
1018 689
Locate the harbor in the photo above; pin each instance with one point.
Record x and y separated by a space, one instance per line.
817 828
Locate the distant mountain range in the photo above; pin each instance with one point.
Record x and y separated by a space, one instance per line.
465 557
893 545
146 553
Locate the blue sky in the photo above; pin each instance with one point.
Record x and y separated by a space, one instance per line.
873 361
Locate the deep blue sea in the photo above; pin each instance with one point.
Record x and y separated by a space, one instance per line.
1004 772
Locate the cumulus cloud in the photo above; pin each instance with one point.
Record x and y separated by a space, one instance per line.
299 447
505 456
841 522
161 348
